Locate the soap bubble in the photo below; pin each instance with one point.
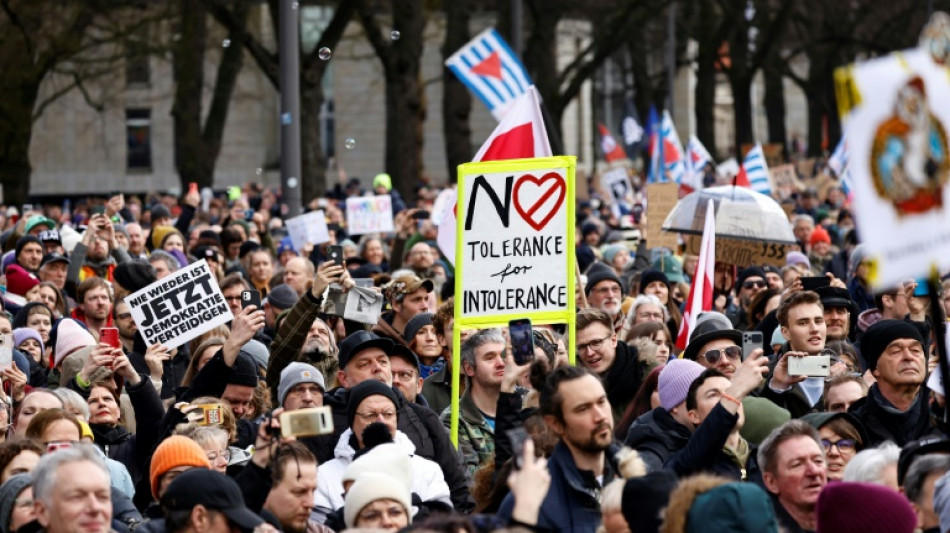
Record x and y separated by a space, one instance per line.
293 5
292 182
394 35
259 171
325 53
349 143
226 43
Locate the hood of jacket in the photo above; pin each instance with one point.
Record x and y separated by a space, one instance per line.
345 451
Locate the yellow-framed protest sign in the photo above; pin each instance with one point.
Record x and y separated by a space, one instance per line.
514 253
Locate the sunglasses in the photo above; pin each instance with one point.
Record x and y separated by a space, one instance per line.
758 284
713 356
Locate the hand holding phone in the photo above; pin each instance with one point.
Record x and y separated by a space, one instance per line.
251 297
110 336
335 253
751 341
522 341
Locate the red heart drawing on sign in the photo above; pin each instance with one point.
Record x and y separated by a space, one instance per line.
549 184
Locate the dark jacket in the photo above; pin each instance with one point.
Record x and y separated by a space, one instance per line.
704 451
132 450
656 436
624 378
884 422
437 389
573 499
173 370
784 519
285 348
384 328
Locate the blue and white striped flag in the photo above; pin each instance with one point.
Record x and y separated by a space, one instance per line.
838 160
489 68
757 171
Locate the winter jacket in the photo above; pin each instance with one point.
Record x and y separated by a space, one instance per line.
81 267
437 389
705 449
427 480
624 379
285 347
656 436
884 422
476 437
384 328
573 499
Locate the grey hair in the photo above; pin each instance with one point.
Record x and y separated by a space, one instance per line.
44 478
868 465
72 401
477 340
203 434
802 216
768 450
161 255
642 299
934 463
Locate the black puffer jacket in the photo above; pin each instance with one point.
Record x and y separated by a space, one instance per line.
656 436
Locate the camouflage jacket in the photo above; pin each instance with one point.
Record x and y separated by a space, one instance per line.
476 437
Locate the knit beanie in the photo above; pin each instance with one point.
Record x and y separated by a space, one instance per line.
612 250
388 458
173 452
819 234
858 255
880 334
371 487
674 381
20 280
644 499
749 272
135 275
383 180
159 234
415 324
761 417
8 494
732 508
600 272
294 374
160 211
257 351
846 507
70 336
22 334
282 297
244 371
23 241
649 276
797 258
361 391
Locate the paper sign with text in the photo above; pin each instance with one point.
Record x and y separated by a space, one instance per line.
515 253
369 214
661 199
743 253
308 228
616 184
179 307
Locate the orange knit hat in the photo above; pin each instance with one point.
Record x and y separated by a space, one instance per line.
173 452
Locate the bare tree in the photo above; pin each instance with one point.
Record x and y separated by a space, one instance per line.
456 100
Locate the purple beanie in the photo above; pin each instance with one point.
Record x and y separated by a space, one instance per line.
882 509
797 258
675 379
21 334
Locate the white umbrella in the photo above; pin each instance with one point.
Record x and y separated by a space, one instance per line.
741 214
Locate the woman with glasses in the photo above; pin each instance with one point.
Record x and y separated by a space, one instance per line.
656 283
842 437
213 440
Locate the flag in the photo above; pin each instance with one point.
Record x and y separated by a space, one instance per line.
754 173
489 68
697 157
631 132
666 153
612 151
701 290
520 135
838 160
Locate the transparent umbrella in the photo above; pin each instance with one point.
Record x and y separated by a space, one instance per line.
741 214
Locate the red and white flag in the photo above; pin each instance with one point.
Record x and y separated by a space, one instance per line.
612 150
701 291
519 135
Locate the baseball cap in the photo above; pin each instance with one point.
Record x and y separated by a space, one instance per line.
213 490
54 257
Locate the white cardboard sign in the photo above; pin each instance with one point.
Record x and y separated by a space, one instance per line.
179 307
369 214
308 228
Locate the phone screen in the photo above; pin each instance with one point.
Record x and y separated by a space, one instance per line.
522 345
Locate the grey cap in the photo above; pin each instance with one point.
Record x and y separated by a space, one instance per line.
282 297
257 351
294 374
8 493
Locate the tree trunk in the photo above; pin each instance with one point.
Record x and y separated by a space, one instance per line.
742 111
774 102
312 159
540 60
456 100
16 128
705 95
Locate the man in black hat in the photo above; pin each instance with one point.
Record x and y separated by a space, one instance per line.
896 408
751 281
53 269
206 501
604 291
714 343
839 310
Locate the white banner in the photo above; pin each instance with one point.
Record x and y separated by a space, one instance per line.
308 228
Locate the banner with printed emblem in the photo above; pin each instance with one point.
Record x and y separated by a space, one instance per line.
179 307
369 214
515 256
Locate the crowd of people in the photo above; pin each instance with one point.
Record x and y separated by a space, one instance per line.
637 435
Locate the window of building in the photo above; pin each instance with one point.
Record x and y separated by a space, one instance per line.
138 133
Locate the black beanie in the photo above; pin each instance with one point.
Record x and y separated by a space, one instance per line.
599 272
649 276
134 275
244 371
356 395
749 272
23 241
248 247
880 334
645 497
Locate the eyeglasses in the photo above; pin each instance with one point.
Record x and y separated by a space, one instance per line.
372 417
655 315
214 456
732 352
374 515
610 289
404 376
595 345
125 316
230 298
843 445
758 284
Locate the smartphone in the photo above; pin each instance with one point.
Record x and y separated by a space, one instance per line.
192 188
248 214
6 352
811 283
922 288
336 254
420 215
307 422
27 209
522 343
210 414
251 297
811 366
751 341
110 336
517 437
97 210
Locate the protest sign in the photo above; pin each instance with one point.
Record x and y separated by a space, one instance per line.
616 184
179 307
661 198
369 214
743 253
897 112
308 228
785 179
363 305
